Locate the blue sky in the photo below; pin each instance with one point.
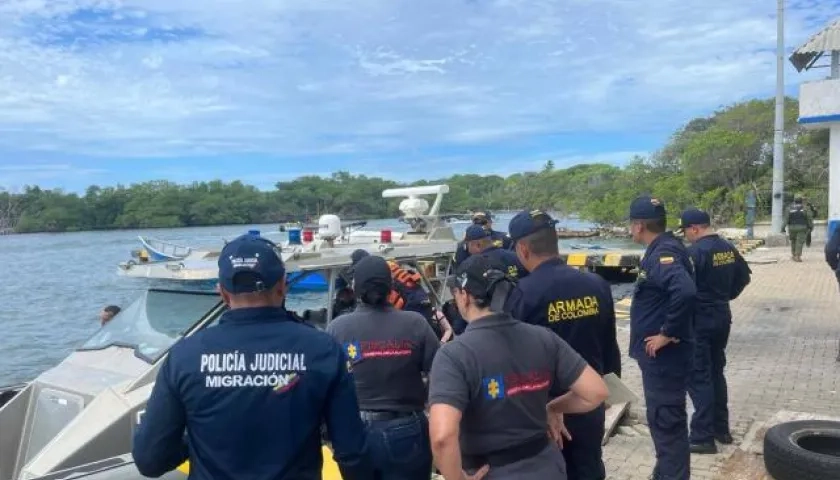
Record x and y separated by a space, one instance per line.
118 91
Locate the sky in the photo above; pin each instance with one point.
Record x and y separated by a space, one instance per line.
122 91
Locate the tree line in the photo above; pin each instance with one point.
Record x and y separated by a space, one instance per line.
712 162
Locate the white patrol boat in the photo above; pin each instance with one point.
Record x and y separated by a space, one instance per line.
76 420
426 226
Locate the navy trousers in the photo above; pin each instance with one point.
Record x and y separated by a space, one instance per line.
583 453
400 448
665 384
707 386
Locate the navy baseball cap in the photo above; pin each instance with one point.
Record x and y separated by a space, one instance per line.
694 216
255 255
477 275
476 232
647 208
528 222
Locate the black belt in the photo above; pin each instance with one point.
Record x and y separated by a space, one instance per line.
384 416
507 456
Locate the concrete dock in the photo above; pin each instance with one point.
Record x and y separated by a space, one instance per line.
781 356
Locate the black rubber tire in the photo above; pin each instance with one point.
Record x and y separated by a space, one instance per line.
785 459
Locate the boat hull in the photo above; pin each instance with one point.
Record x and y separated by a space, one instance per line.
313 282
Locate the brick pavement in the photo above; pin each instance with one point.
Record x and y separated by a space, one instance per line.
781 355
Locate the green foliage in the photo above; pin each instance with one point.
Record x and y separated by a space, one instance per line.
712 163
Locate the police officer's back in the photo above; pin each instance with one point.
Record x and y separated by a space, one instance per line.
389 350
721 274
577 306
661 317
490 387
253 391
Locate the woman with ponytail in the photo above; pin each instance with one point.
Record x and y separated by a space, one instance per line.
389 351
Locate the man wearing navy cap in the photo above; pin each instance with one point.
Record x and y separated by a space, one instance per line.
578 307
661 316
480 240
253 390
721 274
500 239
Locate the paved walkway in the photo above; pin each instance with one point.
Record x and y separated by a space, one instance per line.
781 356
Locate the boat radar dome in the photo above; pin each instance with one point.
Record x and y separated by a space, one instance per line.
329 227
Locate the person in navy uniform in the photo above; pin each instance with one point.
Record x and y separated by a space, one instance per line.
500 239
832 257
390 350
480 240
832 253
578 307
490 388
721 274
661 317
252 392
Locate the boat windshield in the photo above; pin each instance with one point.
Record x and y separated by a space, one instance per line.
154 322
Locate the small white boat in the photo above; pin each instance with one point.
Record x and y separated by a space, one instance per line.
160 251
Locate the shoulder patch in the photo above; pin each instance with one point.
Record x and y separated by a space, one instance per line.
664 260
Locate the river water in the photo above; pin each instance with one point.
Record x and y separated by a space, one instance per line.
52 287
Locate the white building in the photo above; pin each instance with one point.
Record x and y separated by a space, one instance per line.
819 103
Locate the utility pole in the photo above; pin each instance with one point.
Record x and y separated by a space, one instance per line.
779 133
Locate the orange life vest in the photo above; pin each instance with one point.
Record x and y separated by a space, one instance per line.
403 280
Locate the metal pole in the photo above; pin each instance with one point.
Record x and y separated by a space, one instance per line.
778 137
750 213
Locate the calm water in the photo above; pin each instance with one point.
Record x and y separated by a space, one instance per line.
53 285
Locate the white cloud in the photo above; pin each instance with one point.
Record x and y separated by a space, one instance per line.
14 177
141 78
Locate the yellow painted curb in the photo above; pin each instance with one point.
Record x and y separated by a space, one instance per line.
328 472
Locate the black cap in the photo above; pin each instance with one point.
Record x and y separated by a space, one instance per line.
477 275
370 273
358 255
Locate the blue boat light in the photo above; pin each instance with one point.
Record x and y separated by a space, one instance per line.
255 233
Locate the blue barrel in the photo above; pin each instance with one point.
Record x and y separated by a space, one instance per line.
294 236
